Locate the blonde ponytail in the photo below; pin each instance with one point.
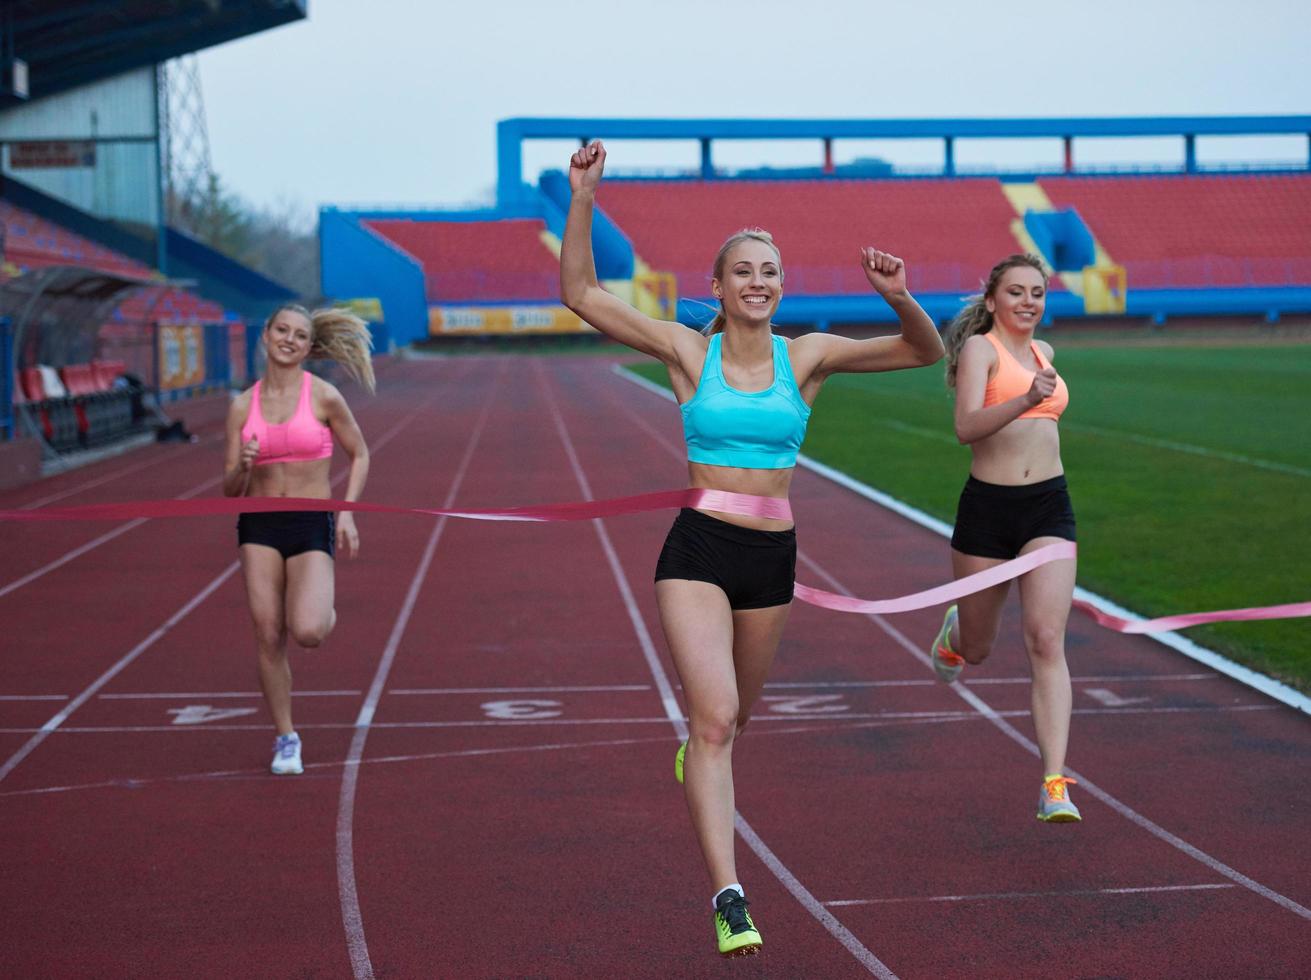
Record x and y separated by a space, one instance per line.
338 335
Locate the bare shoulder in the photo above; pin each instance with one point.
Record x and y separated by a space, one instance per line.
979 347
1046 349
325 391
240 405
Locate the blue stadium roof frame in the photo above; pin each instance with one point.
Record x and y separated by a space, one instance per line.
67 43
510 133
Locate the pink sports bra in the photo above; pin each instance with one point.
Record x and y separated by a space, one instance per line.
1013 379
301 438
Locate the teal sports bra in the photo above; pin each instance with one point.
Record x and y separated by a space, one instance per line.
758 430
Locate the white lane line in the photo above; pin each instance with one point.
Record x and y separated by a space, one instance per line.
808 901
92 484
175 695
1213 660
137 522
54 723
351 918
44 732
928 682
1085 784
1186 447
33 697
130 783
1000 896
852 719
1181 644
586 689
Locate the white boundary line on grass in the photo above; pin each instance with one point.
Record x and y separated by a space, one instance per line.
1257 681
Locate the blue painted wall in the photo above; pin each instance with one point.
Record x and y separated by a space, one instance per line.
355 262
610 246
1063 238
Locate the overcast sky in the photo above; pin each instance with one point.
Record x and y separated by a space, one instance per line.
396 101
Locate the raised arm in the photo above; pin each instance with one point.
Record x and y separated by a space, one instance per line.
973 421
579 289
917 345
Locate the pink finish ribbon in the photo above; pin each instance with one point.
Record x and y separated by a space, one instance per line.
723 501
942 593
742 504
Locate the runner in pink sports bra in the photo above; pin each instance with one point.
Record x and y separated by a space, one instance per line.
287 557
302 438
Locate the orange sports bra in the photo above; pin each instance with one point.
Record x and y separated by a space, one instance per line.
1013 379
302 438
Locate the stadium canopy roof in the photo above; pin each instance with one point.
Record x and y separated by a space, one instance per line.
66 43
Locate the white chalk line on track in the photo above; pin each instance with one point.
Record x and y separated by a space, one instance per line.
762 719
1005 896
780 685
108 536
1086 785
253 695
54 723
996 717
347 890
789 881
1181 644
92 484
1144 440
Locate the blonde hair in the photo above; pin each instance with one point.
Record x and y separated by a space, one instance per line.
337 335
745 235
975 318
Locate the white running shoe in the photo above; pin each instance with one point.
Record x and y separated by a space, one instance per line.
286 756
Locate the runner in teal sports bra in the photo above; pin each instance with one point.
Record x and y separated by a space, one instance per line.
724 582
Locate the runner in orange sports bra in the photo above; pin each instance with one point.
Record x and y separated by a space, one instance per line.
287 557
1009 400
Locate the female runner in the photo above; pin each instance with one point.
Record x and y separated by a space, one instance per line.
1008 401
280 435
724 582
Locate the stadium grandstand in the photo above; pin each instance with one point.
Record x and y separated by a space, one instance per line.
1140 242
106 309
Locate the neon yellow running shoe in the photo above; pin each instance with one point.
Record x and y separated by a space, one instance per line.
1054 803
678 762
736 933
946 661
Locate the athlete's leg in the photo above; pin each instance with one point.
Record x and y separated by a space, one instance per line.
756 634
265 575
1045 595
698 625
310 596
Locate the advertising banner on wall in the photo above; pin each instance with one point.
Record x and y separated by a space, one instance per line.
181 356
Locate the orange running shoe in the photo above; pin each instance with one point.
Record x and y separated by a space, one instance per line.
1054 803
946 661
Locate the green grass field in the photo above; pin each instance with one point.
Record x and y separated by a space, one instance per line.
1189 466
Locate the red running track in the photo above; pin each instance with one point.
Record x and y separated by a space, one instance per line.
489 787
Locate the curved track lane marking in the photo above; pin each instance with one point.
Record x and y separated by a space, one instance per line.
54 723
995 717
1194 651
347 891
780 871
1085 784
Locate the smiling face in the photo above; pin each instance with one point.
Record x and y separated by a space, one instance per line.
1018 301
751 282
288 338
